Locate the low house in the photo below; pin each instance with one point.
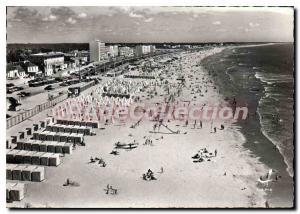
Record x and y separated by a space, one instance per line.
14 71
30 68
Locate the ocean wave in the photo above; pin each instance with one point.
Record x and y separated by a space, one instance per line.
277 143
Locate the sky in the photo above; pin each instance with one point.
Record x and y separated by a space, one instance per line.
149 24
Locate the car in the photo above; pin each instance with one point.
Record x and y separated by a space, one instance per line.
24 94
49 87
63 84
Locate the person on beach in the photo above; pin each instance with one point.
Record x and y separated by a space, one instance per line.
195 124
200 124
216 153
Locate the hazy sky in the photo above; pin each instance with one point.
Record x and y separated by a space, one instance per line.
148 24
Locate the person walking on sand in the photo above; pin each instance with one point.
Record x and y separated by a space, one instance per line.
200 124
216 153
195 124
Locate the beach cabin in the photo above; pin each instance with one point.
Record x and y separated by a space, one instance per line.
51 146
9 168
19 157
26 173
38 174
28 131
67 148
35 146
16 191
43 146
59 147
17 172
44 159
54 160
35 158
20 145
27 157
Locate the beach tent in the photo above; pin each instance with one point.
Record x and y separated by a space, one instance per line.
59 147
27 145
36 127
8 142
61 128
20 145
9 186
54 160
44 159
67 148
49 128
9 168
35 158
16 192
68 129
63 137
56 137
43 146
43 135
21 135
26 173
29 131
87 131
50 136
38 174
42 124
35 146
75 129
36 135
27 157
20 156
17 172
51 146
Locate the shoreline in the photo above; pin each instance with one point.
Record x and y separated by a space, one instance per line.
246 128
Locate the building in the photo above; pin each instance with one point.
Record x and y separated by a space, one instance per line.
48 63
113 51
144 49
14 71
30 68
97 51
126 51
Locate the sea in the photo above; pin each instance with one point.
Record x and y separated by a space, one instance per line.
262 78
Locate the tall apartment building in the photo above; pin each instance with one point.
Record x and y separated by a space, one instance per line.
97 51
144 49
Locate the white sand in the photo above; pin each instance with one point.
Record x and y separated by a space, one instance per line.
182 184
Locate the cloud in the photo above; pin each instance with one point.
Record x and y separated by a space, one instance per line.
149 20
82 15
26 15
63 12
135 15
216 23
253 24
71 20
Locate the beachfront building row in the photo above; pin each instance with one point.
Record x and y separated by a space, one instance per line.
99 52
21 69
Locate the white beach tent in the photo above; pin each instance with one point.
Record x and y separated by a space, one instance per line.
38 174
9 168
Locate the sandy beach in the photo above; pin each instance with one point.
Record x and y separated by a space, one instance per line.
227 180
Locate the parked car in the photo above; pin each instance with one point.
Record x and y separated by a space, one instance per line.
49 87
24 94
